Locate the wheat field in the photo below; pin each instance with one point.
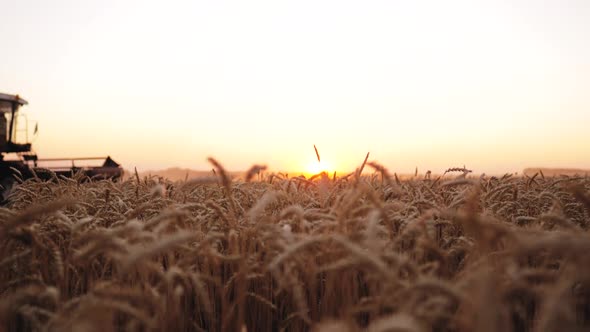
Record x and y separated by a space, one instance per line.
276 253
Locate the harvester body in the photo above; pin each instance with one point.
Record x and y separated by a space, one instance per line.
17 159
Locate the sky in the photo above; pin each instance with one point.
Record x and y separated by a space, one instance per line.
493 85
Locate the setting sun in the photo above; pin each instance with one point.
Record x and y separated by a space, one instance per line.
316 167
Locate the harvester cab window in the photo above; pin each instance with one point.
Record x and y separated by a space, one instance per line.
5 109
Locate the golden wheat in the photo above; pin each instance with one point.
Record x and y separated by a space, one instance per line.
350 253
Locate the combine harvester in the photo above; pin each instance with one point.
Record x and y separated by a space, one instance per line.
18 157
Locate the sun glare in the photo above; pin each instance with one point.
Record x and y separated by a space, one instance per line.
316 167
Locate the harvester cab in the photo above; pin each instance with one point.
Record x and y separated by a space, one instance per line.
9 115
17 158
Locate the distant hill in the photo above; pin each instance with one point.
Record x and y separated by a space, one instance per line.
176 173
556 171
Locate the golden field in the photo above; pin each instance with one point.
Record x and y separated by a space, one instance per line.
273 253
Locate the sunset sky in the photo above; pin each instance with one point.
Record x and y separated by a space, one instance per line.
495 85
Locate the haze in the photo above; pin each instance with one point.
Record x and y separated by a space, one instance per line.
495 85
